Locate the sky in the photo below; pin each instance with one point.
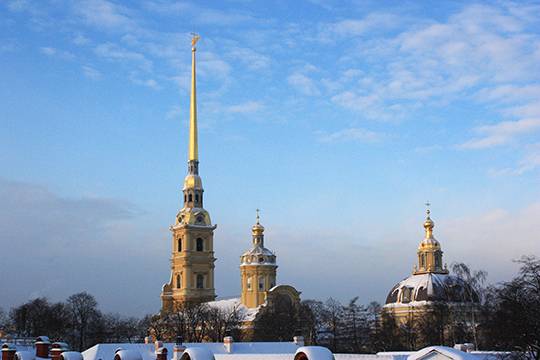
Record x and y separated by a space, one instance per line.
338 119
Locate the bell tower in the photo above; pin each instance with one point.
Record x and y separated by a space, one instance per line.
429 251
257 269
192 259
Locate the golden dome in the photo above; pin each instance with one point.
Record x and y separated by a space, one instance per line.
193 181
257 229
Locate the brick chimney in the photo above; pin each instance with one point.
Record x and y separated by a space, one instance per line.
57 349
161 354
42 346
8 352
228 343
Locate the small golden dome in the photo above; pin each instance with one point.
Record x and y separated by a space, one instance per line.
257 229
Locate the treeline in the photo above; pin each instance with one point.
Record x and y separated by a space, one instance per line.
77 321
506 318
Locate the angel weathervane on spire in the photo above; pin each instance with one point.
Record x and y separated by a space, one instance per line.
194 39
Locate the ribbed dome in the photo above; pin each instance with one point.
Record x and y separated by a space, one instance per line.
258 255
430 287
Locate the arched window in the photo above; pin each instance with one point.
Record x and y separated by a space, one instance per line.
190 198
178 281
185 198
179 244
200 281
437 260
196 197
261 283
423 260
249 283
200 244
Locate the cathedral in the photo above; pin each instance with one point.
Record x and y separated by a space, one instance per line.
429 285
192 258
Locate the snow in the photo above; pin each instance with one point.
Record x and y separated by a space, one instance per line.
227 305
449 352
147 351
25 355
199 353
315 353
128 355
72 355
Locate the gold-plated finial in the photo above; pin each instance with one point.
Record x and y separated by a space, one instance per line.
193 137
428 204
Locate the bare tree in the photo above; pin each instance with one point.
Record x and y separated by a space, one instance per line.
83 309
473 292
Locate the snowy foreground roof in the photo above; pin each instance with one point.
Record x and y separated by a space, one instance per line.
282 350
241 350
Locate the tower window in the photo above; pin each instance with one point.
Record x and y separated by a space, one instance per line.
249 283
197 197
261 283
185 198
190 198
423 260
438 260
200 281
179 281
200 244
179 244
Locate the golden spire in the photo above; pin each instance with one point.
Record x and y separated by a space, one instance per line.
193 143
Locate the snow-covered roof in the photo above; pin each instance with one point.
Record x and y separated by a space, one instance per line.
315 353
147 351
449 352
71 355
227 305
25 355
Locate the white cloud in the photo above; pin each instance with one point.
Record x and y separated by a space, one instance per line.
105 14
199 14
355 27
18 5
303 83
49 51
80 39
500 235
135 78
501 133
246 108
114 52
91 72
350 134
250 58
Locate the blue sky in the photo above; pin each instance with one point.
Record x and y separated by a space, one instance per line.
338 119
